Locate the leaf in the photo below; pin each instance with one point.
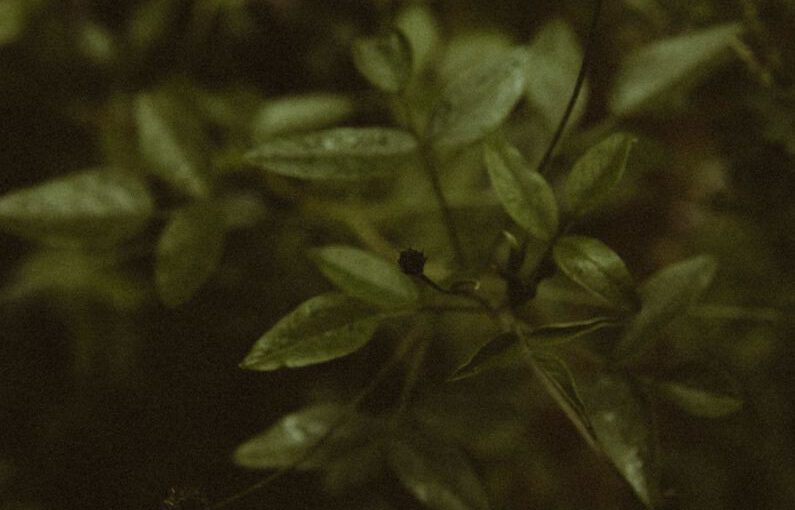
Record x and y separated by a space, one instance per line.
417 22
701 390
365 276
96 206
524 193
596 173
666 295
149 23
323 328
493 353
439 475
188 252
340 153
172 143
305 112
661 66
385 61
293 440
14 18
555 59
598 269
558 333
479 101
623 427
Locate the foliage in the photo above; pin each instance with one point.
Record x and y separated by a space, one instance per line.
413 295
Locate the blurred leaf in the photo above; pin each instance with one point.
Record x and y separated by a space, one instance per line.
472 46
150 21
385 61
188 252
439 475
305 112
663 65
417 22
555 59
495 352
598 269
666 295
95 206
172 142
557 333
366 276
291 440
476 103
623 428
596 172
701 390
323 328
340 153
524 193
14 16
354 467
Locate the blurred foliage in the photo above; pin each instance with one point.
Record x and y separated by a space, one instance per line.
192 187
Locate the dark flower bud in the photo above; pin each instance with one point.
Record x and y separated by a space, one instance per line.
412 261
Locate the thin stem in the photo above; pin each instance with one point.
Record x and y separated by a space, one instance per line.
586 58
480 300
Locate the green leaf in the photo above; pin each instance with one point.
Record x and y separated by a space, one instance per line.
172 142
476 103
557 333
323 328
305 112
479 45
94 206
555 59
340 153
385 61
150 22
417 22
439 475
497 351
623 427
524 193
365 276
596 173
294 440
598 269
188 252
664 65
14 18
701 390
666 295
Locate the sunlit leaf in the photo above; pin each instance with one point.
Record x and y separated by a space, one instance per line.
596 173
557 333
502 349
305 112
598 269
385 61
188 252
439 475
701 390
172 142
663 65
340 153
366 276
476 103
321 329
93 206
524 193
666 295
555 59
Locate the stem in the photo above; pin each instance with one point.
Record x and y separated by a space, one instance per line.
412 375
480 300
577 87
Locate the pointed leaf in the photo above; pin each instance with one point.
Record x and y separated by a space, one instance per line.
598 269
596 173
305 112
555 59
701 390
340 153
558 333
479 101
417 22
95 206
365 276
385 61
524 193
666 295
663 65
321 329
172 143
188 252
502 349
622 424
439 475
